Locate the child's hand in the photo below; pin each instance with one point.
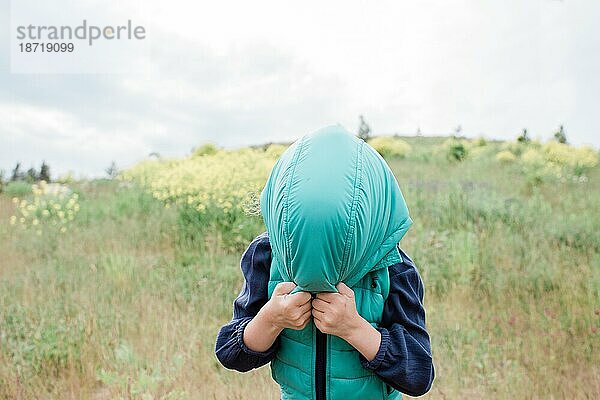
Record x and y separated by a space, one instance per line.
285 310
335 313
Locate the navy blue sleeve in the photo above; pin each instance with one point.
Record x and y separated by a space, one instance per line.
230 348
404 358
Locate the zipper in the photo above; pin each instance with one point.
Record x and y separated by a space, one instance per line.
320 364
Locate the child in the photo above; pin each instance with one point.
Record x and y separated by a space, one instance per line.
329 297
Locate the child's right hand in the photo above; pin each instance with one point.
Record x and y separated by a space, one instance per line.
285 310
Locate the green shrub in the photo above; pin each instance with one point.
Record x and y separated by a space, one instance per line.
456 149
205 149
275 150
66 179
517 148
17 189
558 161
480 141
233 228
390 147
505 157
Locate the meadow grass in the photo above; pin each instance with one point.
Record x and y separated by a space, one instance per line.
127 303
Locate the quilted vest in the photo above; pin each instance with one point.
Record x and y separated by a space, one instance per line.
295 365
334 213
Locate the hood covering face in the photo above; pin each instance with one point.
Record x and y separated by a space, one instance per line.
333 211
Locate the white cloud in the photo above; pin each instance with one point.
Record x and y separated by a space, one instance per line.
248 72
63 140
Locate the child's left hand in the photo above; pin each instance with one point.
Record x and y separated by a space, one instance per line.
335 313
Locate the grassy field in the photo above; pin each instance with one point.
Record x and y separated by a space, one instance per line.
126 304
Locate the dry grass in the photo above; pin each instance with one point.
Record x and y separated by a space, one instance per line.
121 307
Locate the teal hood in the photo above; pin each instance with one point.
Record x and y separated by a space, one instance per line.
333 211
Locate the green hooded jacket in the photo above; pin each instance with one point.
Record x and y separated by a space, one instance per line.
334 213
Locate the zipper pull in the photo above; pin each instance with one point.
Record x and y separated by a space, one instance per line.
374 282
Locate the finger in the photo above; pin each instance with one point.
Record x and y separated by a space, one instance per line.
305 307
283 288
306 315
320 305
345 290
327 296
319 325
305 323
299 298
317 314
301 321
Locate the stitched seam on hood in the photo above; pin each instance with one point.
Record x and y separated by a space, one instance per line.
288 265
406 224
352 218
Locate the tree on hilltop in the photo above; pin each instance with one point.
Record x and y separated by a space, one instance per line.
31 176
560 135
112 171
44 172
364 130
524 137
17 174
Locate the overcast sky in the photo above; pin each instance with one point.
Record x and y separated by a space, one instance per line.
237 73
